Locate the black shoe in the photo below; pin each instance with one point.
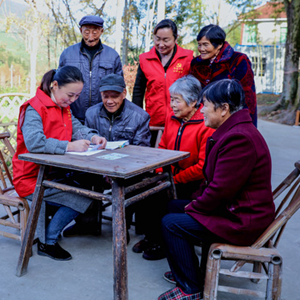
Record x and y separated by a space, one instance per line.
53 251
77 230
141 246
155 253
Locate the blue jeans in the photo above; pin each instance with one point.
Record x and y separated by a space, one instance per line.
181 232
60 220
63 216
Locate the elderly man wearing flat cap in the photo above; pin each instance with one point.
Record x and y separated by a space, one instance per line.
94 59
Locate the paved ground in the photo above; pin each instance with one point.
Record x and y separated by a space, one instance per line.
88 275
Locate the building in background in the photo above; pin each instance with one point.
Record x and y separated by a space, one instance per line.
263 40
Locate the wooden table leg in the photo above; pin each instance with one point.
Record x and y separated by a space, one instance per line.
119 241
31 225
172 190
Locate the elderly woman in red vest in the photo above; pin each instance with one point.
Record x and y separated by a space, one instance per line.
46 125
158 69
218 60
234 205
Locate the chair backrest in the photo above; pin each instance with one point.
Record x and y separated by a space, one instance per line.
271 236
5 174
160 131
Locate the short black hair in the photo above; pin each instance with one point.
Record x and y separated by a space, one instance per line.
167 23
225 91
63 76
214 33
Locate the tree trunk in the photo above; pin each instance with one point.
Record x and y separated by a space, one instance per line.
49 46
125 44
161 8
33 54
291 65
118 34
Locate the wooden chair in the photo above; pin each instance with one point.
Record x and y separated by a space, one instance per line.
16 208
263 253
159 130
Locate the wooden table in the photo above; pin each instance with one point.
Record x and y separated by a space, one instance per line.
119 165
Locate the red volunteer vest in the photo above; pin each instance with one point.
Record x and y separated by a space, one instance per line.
157 96
57 124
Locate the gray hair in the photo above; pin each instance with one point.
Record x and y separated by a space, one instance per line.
189 88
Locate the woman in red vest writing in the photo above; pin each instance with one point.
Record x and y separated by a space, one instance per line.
158 69
46 125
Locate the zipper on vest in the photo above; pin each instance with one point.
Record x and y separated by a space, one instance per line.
178 138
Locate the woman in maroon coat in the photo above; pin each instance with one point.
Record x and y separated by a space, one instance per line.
235 204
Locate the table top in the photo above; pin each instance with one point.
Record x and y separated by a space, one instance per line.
124 163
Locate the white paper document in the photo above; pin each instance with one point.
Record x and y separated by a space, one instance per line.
93 149
90 151
116 145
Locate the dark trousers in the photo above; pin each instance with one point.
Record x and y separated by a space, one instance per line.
150 211
180 233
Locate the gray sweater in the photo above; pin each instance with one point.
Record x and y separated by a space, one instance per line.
36 141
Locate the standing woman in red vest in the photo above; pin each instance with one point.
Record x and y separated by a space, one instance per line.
46 125
158 69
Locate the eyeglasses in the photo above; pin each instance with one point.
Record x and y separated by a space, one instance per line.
92 31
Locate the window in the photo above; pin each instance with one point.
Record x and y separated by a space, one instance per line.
250 34
283 33
259 65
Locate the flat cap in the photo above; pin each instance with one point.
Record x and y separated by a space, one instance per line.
91 20
112 82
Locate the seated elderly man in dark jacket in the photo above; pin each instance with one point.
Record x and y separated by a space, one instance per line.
117 119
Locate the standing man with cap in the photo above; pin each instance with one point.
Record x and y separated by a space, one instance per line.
94 59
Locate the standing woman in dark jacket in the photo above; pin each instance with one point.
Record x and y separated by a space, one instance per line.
158 69
218 60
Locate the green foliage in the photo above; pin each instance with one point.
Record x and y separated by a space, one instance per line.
188 13
16 89
12 51
233 36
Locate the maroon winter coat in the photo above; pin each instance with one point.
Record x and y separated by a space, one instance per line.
236 203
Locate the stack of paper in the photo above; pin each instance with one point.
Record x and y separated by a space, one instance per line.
93 149
116 145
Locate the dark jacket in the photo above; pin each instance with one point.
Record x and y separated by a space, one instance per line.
232 65
104 62
131 124
237 202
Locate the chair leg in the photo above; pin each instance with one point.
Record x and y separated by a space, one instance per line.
22 223
275 279
99 217
257 267
212 275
